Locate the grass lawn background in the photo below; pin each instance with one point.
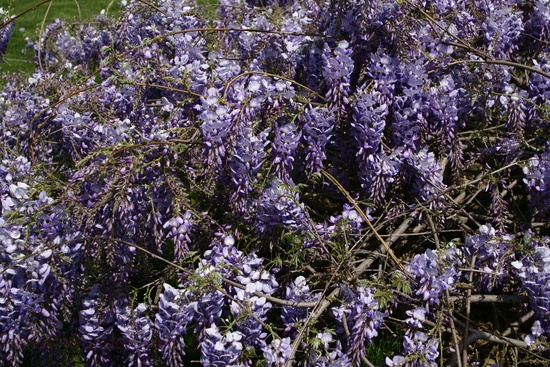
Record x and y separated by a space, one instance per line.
30 23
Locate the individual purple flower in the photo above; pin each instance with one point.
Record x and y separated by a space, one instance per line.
416 318
396 361
536 332
354 219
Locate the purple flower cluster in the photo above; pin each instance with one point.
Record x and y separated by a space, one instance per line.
221 350
196 197
376 168
318 124
171 321
490 253
6 31
361 315
97 328
537 180
201 306
337 71
287 138
419 351
37 257
427 178
297 291
245 165
434 272
137 330
279 205
216 127
533 269
179 230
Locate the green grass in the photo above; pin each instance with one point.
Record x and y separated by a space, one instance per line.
29 24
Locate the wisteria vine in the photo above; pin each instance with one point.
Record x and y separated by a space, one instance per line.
279 183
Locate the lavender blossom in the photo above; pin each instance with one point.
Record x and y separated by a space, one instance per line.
171 322
139 203
96 327
537 179
245 165
502 29
216 127
137 329
287 138
362 316
532 269
318 125
279 206
297 291
491 253
220 350
179 229
536 332
434 273
276 354
421 351
5 32
376 169
337 71
427 178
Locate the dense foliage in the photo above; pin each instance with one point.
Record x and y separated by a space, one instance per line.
278 183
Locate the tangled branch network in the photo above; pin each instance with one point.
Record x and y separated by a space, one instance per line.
279 183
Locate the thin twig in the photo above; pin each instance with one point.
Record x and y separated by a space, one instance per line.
12 19
40 36
493 298
467 310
